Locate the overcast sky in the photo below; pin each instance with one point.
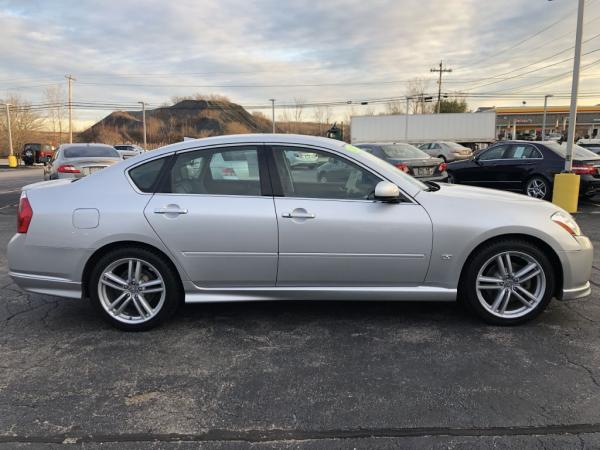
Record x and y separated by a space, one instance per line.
124 51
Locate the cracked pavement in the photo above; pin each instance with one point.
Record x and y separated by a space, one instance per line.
297 374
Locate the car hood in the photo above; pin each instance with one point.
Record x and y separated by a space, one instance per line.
47 184
476 195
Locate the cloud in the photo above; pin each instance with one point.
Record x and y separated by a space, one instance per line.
127 50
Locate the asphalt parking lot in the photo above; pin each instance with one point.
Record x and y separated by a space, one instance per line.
296 374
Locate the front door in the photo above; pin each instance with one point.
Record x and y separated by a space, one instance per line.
212 215
332 232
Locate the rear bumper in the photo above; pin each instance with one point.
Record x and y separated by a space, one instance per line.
42 284
577 270
589 185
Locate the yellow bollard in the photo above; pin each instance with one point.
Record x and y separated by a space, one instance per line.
566 191
12 161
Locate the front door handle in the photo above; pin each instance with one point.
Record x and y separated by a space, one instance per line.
298 215
170 211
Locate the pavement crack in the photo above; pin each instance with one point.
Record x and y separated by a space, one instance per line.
587 369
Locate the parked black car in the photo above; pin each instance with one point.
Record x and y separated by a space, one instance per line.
527 167
410 160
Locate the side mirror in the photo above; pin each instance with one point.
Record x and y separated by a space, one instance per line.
387 192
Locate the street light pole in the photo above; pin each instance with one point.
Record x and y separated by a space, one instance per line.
544 119
8 127
70 80
574 88
144 122
272 100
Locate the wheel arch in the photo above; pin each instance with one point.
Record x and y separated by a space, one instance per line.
547 249
100 252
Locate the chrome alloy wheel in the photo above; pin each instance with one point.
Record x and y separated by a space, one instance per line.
537 188
511 284
131 290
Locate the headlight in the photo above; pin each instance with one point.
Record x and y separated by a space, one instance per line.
567 222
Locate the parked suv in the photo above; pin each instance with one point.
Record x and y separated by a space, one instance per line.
448 151
36 153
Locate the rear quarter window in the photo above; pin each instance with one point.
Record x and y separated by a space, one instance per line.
145 176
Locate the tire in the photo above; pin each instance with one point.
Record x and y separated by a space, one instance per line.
495 298
538 187
125 284
322 179
443 158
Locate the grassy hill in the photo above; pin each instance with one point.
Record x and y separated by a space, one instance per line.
186 118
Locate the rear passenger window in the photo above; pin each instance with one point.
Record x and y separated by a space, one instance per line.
524 152
230 171
146 175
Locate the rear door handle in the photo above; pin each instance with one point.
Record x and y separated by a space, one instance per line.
170 211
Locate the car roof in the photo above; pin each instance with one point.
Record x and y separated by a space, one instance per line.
85 144
256 138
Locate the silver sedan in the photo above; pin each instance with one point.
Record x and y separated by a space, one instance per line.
80 160
230 219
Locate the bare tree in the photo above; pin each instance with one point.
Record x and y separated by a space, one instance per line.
322 115
395 107
24 121
55 115
417 89
298 111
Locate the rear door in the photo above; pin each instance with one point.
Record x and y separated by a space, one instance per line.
215 212
332 233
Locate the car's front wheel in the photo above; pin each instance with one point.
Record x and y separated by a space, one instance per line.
134 289
507 282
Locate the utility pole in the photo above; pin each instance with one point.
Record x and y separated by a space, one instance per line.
70 79
272 100
144 121
574 89
544 117
441 70
10 145
406 119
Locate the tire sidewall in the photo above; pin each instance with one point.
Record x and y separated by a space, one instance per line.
468 291
172 285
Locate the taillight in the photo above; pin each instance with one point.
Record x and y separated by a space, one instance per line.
24 215
442 167
403 167
585 169
67 168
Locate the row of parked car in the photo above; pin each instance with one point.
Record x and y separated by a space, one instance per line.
519 166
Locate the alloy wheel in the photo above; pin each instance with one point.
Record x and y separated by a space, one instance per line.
131 290
511 284
537 188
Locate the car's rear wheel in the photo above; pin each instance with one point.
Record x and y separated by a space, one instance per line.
508 282
443 158
538 187
134 289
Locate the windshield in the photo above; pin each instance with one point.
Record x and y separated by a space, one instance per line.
380 163
579 152
403 151
86 151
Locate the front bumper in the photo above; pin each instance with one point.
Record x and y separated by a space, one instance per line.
577 270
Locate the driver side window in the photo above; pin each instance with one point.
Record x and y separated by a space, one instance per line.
308 173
